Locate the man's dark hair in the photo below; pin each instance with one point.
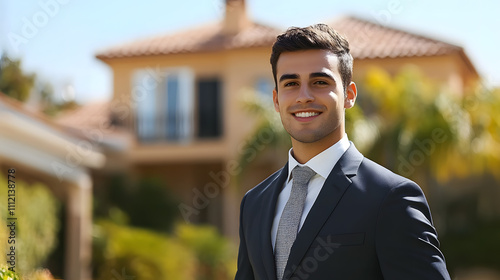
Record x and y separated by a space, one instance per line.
314 37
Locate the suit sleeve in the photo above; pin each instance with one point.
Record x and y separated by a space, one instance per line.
406 240
245 271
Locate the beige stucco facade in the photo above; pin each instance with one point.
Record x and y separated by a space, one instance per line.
187 166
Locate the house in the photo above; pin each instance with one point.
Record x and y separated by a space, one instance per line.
178 96
39 150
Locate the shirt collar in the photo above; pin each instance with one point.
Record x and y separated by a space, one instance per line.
323 162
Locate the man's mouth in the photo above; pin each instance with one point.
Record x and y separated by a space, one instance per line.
305 114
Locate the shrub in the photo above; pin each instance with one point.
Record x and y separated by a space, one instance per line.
37 224
132 253
214 252
39 274
6 274
194 252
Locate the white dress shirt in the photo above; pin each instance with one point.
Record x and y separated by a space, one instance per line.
322 164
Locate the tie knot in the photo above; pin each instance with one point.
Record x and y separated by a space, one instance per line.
302 175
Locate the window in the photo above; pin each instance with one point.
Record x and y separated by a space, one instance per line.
209 108
265 88
164 101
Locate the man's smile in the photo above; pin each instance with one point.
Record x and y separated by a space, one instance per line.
306 114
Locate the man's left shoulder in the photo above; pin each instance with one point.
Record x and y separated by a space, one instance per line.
380 176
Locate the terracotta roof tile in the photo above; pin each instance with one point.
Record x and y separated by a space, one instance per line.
204 38
368 40
90 116
93 121
34 114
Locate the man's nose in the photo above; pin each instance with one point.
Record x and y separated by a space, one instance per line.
305 95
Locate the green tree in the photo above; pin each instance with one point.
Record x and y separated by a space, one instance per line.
13 81
423 131
20 85
268 132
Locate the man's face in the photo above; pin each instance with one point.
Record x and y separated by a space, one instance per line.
310 96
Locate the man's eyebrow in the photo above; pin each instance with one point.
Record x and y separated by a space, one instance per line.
321 75
288 77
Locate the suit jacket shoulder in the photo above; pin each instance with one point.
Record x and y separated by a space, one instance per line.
266 183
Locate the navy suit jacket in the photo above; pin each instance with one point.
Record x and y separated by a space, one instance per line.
367 223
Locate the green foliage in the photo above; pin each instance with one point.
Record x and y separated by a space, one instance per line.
194 252
19 85
39 274
142 254
408 109
135 236
213 251
473 248
401 110
6 274
36 225
268 131
13 82
147 203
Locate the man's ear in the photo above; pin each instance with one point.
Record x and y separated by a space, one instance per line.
275 101
351 96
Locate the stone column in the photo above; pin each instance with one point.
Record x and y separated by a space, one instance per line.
79 229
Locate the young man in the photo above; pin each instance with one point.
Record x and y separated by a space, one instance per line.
330 213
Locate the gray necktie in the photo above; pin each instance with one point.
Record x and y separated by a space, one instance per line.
290 219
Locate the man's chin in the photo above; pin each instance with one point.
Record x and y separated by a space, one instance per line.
306 139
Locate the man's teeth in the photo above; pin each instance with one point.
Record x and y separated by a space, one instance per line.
306 114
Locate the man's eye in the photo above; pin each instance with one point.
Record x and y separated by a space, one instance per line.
289 84
321 83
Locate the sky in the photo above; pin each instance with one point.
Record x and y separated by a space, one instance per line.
58 39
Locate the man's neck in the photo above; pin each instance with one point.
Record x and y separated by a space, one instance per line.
303 152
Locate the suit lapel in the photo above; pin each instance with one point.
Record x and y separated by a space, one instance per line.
333 189
269 200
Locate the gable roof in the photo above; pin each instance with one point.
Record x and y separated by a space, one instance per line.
94 115
96 122
206 38
32 131
368 40
20 109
